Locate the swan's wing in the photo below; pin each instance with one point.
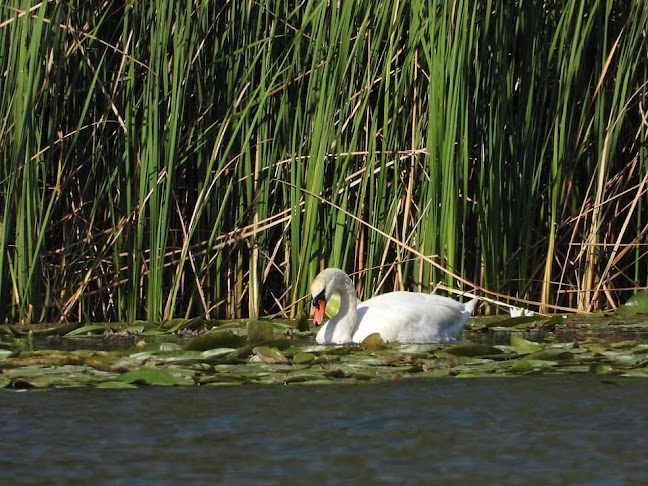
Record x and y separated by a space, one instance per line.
410 317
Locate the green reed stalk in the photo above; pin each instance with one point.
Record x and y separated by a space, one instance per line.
179 159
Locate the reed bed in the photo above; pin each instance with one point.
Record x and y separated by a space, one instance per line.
174 159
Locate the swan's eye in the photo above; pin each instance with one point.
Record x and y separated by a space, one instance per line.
321 297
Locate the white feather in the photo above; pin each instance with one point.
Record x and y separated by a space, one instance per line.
404 317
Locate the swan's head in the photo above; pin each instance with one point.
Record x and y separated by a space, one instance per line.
325 284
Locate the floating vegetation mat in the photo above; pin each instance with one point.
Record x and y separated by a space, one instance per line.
206 353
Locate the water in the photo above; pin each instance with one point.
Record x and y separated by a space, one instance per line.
525 430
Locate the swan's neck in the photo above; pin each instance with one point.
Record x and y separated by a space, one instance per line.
344 322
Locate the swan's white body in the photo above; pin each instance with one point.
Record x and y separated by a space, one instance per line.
404 317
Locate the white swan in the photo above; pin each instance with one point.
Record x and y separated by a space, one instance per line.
404 317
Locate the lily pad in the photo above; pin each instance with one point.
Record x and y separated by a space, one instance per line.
553 321
637 304
259 351
137 329
522 367
280 343
216 339
150 376
472 350
90 329
335 373
638 372
303 358
600 368
373 342
259 332
532 366
551 354
270 355
217 352
59 329
115 385
222 379
514 321
523 346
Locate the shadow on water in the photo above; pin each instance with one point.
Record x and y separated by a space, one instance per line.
574 429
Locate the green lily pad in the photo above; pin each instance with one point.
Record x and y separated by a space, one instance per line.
551 354
217 353
522 367
115 385
304 358
335 373
59 329
637 304
168 347
522 346
137 329
373 342
45 358
20 384
623 357
280 343
216 339
222 379
640 349
270 355
364 375
261 332
258 351
531 366
514 321
472 350
553 321
600 368
637 372
150 376
302 377
90 329
153 332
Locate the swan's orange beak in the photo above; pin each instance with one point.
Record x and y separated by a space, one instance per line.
318 315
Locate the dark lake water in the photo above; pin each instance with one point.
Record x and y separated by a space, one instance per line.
526 430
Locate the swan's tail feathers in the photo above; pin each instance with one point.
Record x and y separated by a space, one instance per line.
471 304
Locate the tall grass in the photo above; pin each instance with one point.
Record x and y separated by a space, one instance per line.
166 159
